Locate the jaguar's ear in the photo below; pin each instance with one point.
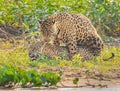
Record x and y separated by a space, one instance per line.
40 21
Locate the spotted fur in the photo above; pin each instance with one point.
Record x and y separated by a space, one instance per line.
38 48
74 30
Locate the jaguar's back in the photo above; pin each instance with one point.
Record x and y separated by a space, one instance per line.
87 36
74 30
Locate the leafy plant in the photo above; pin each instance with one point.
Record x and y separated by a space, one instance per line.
26 14
13 75
51 78
75 81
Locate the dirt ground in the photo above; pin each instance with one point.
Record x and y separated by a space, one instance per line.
92 79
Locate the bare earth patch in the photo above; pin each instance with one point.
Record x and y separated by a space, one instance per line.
90 80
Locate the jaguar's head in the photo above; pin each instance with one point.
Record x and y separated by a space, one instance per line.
47 29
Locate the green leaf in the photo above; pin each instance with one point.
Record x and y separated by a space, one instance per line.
75 81
24 82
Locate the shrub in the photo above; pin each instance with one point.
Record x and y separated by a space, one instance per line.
24 13
10 75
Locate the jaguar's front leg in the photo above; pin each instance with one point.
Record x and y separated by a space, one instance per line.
72 47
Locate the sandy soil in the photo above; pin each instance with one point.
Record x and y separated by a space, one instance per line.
91 79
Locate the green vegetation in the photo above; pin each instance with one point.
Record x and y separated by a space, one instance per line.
15 68
11 76
26 13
